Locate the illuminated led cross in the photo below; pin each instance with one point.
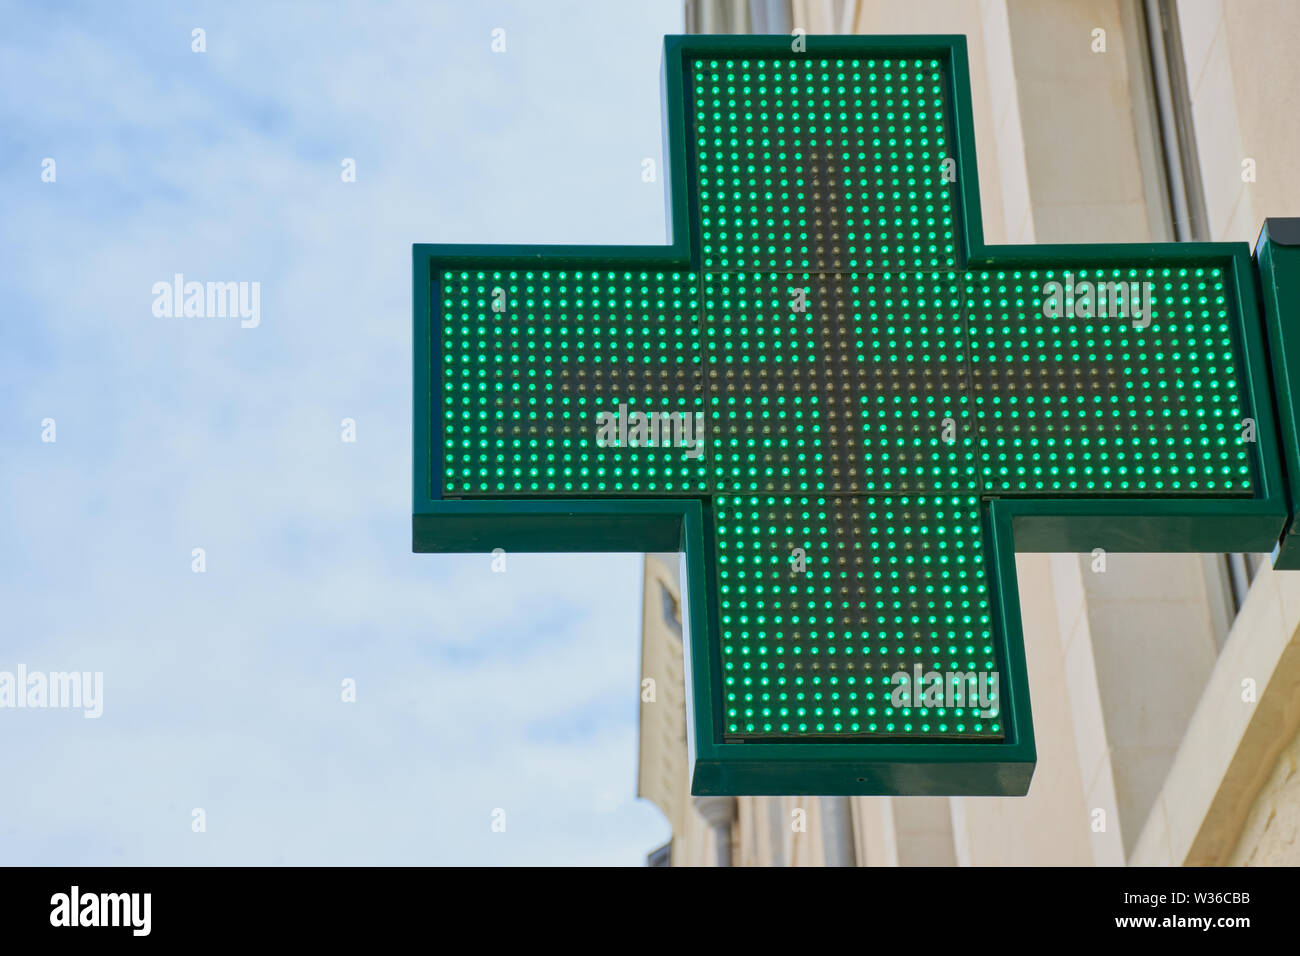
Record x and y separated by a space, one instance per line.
841 406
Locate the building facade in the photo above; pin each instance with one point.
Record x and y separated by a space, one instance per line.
1166 687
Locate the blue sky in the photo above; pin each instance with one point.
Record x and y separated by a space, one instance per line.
222 690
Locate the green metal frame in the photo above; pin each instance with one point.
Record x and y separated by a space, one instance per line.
1041 523
1277 258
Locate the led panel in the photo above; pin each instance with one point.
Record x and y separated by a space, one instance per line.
531 361
1087 403
855 616
881 403
822 164
835 383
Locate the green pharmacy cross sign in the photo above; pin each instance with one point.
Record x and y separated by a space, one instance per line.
845 411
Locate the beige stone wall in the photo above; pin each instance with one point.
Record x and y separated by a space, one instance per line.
662 758
1236 741
1271 836
1244 78
1085 171
780 831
